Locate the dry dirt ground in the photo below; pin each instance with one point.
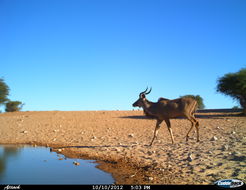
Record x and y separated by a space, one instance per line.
119 140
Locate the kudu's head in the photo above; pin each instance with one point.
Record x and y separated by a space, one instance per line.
142 98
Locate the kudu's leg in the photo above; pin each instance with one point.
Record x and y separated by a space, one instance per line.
195 123
158 125
192 125
197 130
195 107
169 129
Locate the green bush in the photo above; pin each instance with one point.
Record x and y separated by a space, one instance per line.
12 106
199 100
234 85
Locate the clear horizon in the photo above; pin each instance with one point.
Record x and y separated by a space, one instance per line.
74 55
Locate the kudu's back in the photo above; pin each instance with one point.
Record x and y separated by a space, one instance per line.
177 108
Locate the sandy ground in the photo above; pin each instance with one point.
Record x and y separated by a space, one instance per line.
119 140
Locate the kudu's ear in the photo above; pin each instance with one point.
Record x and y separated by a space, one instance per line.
143 96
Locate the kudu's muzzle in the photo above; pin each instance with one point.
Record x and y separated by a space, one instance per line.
135 104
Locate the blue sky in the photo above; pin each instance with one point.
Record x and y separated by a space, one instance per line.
100 54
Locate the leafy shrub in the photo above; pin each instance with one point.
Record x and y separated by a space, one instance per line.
234 85
199 100
12 106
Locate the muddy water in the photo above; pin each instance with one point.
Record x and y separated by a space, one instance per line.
37 165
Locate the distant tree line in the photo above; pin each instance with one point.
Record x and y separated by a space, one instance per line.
10 106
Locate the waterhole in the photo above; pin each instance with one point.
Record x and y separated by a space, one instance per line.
37 165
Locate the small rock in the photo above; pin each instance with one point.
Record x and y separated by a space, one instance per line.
116 149
155 164
149 153
131 135
59 150
190 158
225 147
76 163
233 132
209 167
214 138
151 178
24 132
220 164
236 153
135 143
56 130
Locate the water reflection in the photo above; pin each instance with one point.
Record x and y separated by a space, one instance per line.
29 165
5 153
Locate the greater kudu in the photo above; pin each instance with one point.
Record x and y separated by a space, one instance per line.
166 109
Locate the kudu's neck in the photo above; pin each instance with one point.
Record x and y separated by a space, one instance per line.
147 104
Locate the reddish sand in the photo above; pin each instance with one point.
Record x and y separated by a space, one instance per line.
119 140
